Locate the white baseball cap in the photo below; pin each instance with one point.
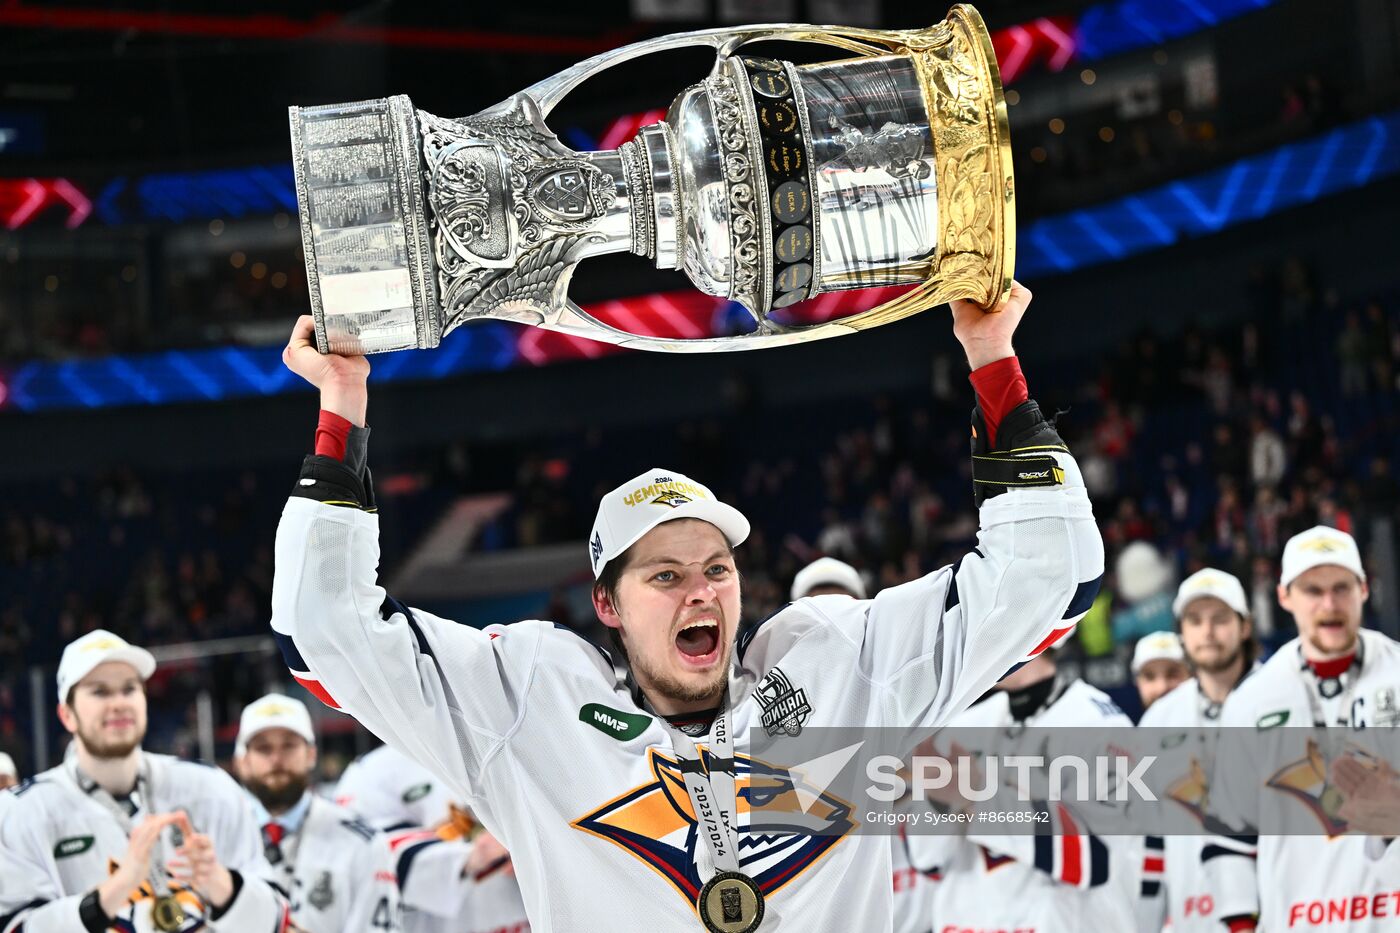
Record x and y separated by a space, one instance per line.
273 711
1317 546
98 647
647 500
1157 646
828 571
7 765
1225 587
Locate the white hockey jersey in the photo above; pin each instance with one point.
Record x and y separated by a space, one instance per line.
529 725
395 792
1175 886
913 889
57 843
1326 881
1065 882
337 873
391 791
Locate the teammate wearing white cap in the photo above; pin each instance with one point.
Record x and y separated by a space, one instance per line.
827 575
1212 613
454 877
613 816
89 845
1159 666
1336 676
335 869
9 774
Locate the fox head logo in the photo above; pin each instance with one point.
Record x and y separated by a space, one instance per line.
656 823
1306 781
1192 791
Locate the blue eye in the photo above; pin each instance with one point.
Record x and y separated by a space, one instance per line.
665 576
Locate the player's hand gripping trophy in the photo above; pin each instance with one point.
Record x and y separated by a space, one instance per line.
768 183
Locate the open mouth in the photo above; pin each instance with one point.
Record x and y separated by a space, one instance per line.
698 641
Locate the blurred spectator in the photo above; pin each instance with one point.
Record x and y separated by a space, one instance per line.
1267 458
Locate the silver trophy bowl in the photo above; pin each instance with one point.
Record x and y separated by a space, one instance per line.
767 183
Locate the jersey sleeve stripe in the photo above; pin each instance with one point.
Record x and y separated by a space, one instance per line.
405 862
316 690
9 918
1071 850
392 607
1084 596
290 655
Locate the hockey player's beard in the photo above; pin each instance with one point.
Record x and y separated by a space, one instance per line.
1221 662
103 750
283 796
674 689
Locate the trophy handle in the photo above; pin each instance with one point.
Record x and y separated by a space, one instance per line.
567 317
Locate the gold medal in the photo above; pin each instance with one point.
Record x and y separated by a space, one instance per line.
167 914
730 902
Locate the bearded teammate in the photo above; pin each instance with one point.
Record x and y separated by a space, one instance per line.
1066 879
589 782
1335 676
455 877
84 846
1212 613
334 868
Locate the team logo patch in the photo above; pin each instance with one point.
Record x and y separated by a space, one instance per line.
785 708
655 822
1272 720
673 499
73 845
1387 712
417 792
1305 780
321 896
1192 791
614 722
595 548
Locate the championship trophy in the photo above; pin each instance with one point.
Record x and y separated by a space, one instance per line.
767 182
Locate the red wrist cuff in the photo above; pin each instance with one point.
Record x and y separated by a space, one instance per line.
1000 387
332 431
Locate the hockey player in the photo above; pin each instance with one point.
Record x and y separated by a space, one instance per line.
1212 613
1067 879
1159 666
1339 678
912 888
603 781
455 877
335 869
88 846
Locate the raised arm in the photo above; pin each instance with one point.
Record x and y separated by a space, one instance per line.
444 694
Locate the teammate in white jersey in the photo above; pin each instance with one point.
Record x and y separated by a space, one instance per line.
1212 613
88 846
1062 881
593 784
455 878
1333 675
912 888
335 869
